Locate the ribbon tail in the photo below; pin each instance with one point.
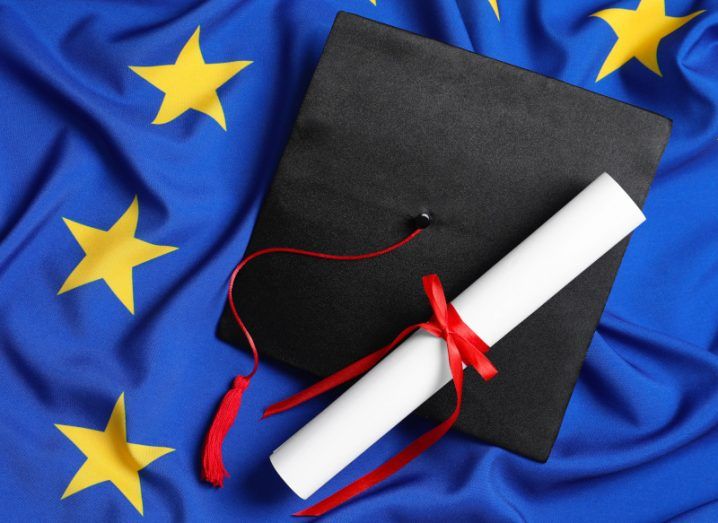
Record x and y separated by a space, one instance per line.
473 348
382 472
476 358
396 463
344 375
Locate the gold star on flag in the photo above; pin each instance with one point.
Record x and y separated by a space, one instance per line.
495 7
493 3
110 255
110 457
639 33
190 83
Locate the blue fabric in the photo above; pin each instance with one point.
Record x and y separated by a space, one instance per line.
639 441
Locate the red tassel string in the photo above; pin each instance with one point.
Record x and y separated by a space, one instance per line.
213 469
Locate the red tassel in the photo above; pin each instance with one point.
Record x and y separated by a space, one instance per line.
213 469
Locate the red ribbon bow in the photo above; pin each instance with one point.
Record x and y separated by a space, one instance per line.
447 324
463 346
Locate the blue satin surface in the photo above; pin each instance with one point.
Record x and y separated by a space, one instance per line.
639 441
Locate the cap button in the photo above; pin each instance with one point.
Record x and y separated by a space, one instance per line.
423 220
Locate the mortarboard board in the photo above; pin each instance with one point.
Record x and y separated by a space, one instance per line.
394 125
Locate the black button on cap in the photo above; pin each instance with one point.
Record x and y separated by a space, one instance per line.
423 220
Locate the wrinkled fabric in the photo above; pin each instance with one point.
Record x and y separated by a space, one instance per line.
639 441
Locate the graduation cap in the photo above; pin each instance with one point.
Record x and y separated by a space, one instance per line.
397 128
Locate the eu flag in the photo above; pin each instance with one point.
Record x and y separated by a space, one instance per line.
137 141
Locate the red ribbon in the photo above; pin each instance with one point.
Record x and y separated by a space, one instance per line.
463 346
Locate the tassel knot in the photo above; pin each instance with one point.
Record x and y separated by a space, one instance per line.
241 383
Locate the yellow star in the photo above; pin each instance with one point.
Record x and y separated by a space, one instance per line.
495 7
190 83
639 33
110 457
110 255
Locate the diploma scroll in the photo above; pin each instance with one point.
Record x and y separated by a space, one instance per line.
539 267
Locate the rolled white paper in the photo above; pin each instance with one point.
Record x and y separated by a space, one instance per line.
538 268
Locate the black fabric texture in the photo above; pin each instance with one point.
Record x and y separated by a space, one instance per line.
393 125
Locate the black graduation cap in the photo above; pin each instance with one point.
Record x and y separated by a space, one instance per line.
395 125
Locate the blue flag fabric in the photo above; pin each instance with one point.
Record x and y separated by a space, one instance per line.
128 193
